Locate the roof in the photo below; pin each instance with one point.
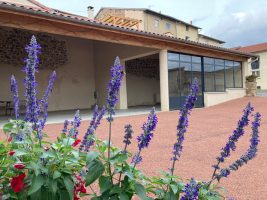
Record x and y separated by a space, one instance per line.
211 38
252 48
151 12
80 20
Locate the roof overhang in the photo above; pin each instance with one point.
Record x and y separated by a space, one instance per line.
15 16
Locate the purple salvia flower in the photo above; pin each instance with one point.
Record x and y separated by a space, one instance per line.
73 132
237 133
183 120
191 190
145 138
65 128
32 107
14 90
251 152
128 134
44 101
114 87
90 130
88 139
136 159
148 127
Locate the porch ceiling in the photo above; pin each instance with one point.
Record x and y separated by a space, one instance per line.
12 15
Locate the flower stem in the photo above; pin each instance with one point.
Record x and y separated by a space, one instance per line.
125 147
136 161
109 141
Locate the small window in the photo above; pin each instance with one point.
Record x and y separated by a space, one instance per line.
168 26
156 23
256 73
187 37
187 28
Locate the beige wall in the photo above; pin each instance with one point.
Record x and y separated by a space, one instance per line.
192 33
136 14
142 91
213 98
262 80
208 41
75 82
105 54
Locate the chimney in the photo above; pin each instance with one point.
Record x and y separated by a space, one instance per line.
191 22
90 12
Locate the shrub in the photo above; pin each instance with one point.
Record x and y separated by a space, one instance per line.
251 78
34 168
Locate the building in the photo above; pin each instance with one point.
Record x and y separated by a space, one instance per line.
155 22
159 68
257 66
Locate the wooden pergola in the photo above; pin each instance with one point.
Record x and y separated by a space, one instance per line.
121 21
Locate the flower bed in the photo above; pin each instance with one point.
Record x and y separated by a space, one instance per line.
33 168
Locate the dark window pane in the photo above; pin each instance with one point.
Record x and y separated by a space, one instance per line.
219 62
173 65
219 78
196 73
208 61
185 58
196 59
173 56
209 78
229 74
238 74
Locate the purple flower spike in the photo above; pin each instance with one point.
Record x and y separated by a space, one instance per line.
88 139
114 88
32 107
128 134
65 128
251 152
183 120
237 133
191 190
148 127
14 90
75 125
44 101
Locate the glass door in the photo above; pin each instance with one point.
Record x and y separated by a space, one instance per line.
182 70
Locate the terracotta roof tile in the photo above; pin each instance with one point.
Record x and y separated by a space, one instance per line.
252 48
76 18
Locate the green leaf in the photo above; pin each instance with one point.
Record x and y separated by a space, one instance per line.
37 183
104 183
174 188
96 169
140 191
35 168
56 174
20 152
69 185
75 154
7 127
92 155
124 196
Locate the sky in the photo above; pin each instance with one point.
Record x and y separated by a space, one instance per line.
238 22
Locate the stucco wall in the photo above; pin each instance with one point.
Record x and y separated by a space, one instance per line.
208 41
105 54
142 91
192 32
213 98
75 82
262 80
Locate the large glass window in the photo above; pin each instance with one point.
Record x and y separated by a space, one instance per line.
219 75
229 74
238 75
209 74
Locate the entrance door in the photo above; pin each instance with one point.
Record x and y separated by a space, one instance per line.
182 70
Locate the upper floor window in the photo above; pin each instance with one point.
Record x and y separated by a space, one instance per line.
187 28
168 26
156 23
255 67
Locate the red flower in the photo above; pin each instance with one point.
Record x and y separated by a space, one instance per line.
76 142
19 166
17 183
9 139
11 153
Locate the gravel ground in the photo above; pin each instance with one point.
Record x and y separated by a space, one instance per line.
209 129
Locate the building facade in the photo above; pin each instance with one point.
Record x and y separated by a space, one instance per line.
257 66
159 68
155 22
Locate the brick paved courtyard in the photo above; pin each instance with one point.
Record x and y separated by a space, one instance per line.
208 131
